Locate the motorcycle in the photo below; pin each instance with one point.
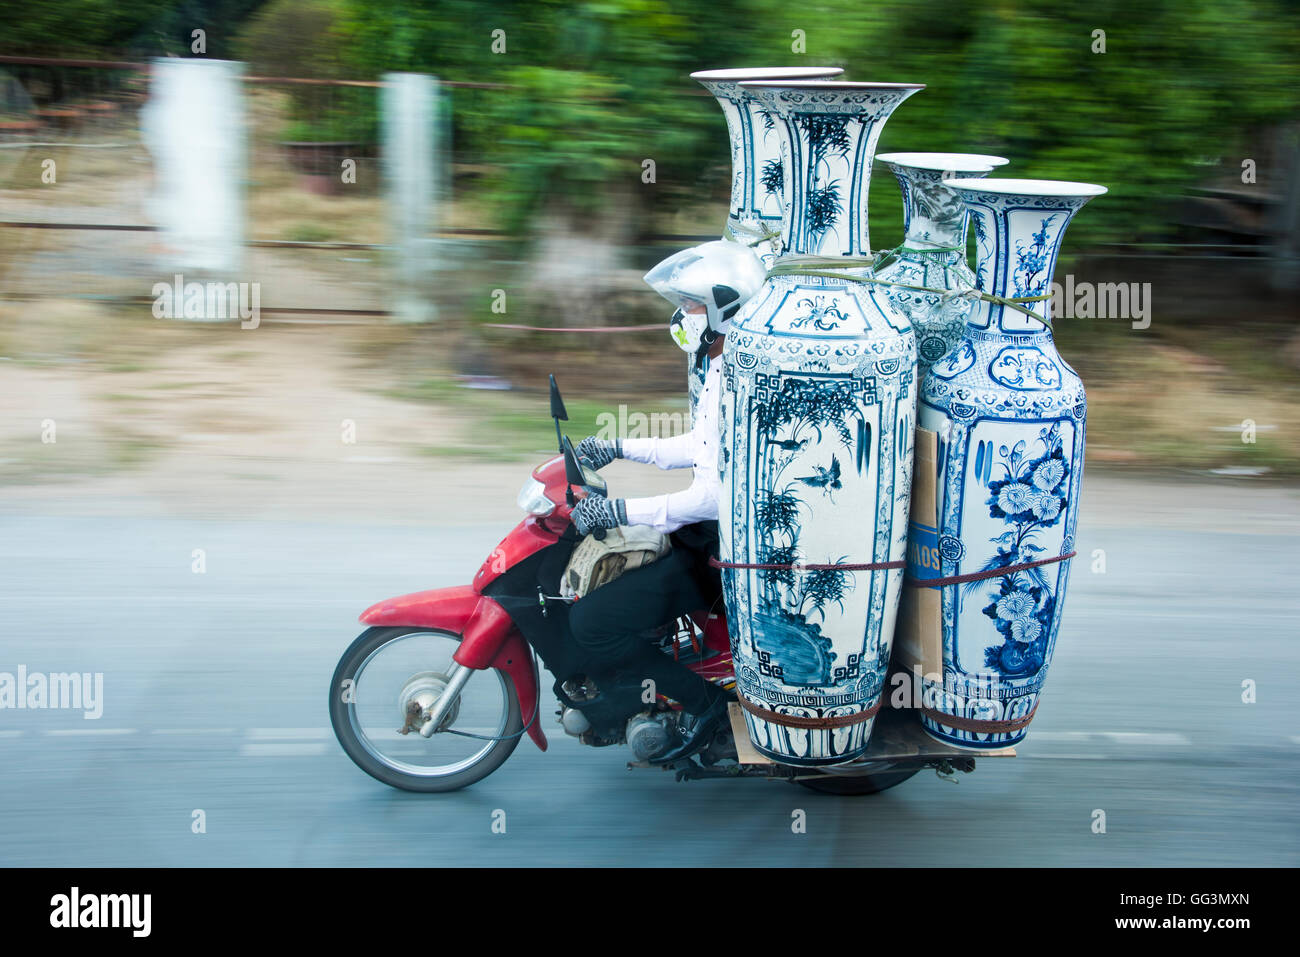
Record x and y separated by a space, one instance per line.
458 668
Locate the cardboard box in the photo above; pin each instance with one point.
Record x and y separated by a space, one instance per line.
918 640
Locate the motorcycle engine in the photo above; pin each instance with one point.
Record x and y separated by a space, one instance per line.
649 735
574 722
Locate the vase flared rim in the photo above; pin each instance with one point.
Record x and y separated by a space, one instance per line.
850 85
945 162
766 73
1064 189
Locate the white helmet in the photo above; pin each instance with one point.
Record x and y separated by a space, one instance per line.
720 276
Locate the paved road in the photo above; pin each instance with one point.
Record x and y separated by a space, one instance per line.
215 684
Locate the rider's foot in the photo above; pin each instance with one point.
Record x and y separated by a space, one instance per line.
699 734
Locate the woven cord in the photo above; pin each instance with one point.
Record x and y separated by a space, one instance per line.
828 267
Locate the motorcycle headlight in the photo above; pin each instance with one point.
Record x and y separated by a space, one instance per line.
532 498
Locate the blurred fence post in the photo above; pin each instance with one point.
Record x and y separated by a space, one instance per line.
193 125
1286 217
410 150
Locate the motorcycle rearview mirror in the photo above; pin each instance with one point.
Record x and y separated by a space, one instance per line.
573 474
557 403
558 412
572 470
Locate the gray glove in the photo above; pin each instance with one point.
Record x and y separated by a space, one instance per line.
596 511
597 452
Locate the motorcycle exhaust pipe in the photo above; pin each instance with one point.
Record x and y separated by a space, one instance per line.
458 677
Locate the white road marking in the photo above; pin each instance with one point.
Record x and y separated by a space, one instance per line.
280 749
80 732
1160 738
11 734
1147 737
193 731
298 733
1065 757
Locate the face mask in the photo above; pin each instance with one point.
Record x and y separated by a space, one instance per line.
687 330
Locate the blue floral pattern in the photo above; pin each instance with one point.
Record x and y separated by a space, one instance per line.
1032 496
1031 261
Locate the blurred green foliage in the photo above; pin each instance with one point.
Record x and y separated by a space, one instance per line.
1181 94
119 28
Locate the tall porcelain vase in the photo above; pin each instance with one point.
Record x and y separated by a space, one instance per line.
817 415
1010 415
755 210
933 252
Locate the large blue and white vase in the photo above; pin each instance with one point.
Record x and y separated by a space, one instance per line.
1009 414
933 252
754 216
817 414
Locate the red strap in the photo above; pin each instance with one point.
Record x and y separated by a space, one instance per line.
799 721
980 576
979 725
584 329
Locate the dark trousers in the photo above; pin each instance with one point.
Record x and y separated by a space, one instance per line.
611 623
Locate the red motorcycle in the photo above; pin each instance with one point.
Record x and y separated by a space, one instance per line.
457 668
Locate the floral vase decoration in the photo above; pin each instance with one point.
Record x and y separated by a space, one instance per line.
817 414
1009 415
933 253
754 215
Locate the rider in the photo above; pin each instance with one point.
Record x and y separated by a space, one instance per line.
708 284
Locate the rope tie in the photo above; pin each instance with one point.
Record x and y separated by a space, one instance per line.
826 266
886 256
764 234
837 567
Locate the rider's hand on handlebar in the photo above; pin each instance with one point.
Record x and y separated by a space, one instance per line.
596 511
598 453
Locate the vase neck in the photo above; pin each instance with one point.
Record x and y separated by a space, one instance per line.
1017 239
828 142
755 159
933 216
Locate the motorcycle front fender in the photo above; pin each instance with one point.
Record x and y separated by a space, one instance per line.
489 638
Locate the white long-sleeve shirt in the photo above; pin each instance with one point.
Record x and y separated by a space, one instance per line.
696 449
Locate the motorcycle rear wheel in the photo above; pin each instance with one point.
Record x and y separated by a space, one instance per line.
859 784
346 686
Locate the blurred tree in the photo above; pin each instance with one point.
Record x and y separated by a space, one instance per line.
599 86
1180 84
306 38
120 28
595 90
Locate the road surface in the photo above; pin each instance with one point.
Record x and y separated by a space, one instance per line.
215 690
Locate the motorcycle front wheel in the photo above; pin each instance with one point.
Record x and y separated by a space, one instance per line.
386 669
